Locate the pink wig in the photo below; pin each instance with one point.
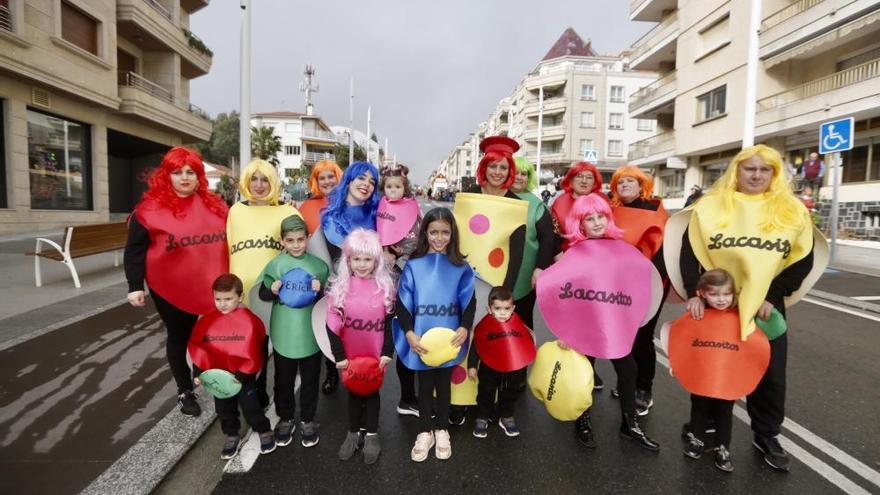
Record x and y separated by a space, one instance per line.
163 194
585 206
362 242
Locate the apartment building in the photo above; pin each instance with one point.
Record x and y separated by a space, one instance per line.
460 167
819 60
92 93
305 139
371 147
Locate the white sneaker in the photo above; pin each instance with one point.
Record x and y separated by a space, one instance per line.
443 450
423 444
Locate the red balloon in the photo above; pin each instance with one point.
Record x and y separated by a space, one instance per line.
504 347
363 375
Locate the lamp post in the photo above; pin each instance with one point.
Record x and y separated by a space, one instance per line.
244 124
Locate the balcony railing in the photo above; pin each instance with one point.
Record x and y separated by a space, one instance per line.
312 157
161 9
139 82
653 145
5 18
317 134
842 79
654 91
649 40
788 12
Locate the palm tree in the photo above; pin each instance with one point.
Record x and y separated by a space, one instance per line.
265 144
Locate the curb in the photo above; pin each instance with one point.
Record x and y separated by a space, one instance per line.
865 306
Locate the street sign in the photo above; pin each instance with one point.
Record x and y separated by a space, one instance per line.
836 136
591 155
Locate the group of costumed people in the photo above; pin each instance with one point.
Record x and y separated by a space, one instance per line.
357 277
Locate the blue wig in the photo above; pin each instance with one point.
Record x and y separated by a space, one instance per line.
338 211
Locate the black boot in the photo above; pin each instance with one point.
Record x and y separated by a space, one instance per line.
332 379
630 428
583 430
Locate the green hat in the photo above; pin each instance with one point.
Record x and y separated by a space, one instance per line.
292 223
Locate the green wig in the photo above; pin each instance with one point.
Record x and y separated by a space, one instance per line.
524 165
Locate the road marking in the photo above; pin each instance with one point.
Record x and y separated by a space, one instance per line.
841 309
814 463
867 298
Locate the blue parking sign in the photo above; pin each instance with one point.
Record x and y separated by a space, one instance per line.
836 136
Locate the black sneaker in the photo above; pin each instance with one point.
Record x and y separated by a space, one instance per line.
598 384
407 409
481 428
284 432
230 448
774 454
331 382
509 426
583 430
267 442
686 428
722 459
644 401
187 402
457 415
615 393
309 433
694 447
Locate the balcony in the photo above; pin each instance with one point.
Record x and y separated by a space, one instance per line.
549 157
657 97
851 92
653 150
311 158
656 46
650 10
193 5
6 19
806 28
151 26
149 101
548 132
552 106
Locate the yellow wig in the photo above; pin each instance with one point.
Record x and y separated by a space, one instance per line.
319 167
645 182
784 210
266 169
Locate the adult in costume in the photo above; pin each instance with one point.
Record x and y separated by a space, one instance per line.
581 179
324 177
752 225
642 218
177 243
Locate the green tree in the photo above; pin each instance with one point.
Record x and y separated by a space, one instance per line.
223 146
340 151
265 144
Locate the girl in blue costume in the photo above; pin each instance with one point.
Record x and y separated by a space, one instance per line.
436 290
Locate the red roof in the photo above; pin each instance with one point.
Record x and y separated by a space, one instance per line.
570 44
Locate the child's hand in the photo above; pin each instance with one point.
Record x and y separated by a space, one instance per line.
316 285
136 298
764 311
414 343
460 336
341 365
696 307
389 257
276 287
196 381
562 345
384 361
472 373
535 275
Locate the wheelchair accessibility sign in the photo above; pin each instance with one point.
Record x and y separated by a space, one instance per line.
836 136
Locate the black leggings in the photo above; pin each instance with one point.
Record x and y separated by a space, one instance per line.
643 350
178 327
286 369
703 408
625 368
363 412
407 379
438 379
525 309
247 398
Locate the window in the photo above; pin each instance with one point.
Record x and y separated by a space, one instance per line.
673 184
291 150
712 104
588 119
291 127
59 162
645 125
855 164
713 37
586 144
588 92
6 16
78 28
615 121
2 158
615 147
616 95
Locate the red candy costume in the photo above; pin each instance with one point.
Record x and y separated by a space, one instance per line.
642 228
232 342
505 347
310 210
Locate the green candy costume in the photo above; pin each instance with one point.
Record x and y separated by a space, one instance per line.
537 209
290 329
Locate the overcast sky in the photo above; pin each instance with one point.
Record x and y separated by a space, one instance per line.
431 71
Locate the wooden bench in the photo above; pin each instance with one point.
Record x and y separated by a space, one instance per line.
79 241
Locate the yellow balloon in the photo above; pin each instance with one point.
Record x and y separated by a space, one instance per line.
438 342
562 380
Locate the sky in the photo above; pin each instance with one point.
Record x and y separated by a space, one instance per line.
431 71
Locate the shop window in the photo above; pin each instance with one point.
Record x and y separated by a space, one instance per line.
78 28
59 162
855 164
874 170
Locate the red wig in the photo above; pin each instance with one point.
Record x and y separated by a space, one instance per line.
494 156
319 167
161 192
582 167
646 183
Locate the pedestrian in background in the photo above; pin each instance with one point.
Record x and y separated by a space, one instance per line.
813 171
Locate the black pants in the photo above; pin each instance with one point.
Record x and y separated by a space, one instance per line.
262 378
178 327
506 384
766 405
407 379
247 398
720 410
525 308
286 369
625 368
363 412
439 380
643 349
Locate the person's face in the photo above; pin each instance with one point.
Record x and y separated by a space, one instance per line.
628 189
718 297
594 225
326 182
439 235
753 176
394 188
226 301
362 265
294 242
497 172
360 189
259 186
583 183
814 156
519 182
501 310
184 181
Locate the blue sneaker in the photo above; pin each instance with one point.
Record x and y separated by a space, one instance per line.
481 428
267 442
509 426
230 448
284 432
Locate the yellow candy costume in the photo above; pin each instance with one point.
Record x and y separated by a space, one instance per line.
485 226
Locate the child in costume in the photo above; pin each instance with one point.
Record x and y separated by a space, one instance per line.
436 290
500 324
359 311
231 338
301 275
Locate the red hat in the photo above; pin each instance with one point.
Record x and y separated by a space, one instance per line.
500 144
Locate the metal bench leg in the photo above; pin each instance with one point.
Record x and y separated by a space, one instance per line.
115 258
38 276
69 262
